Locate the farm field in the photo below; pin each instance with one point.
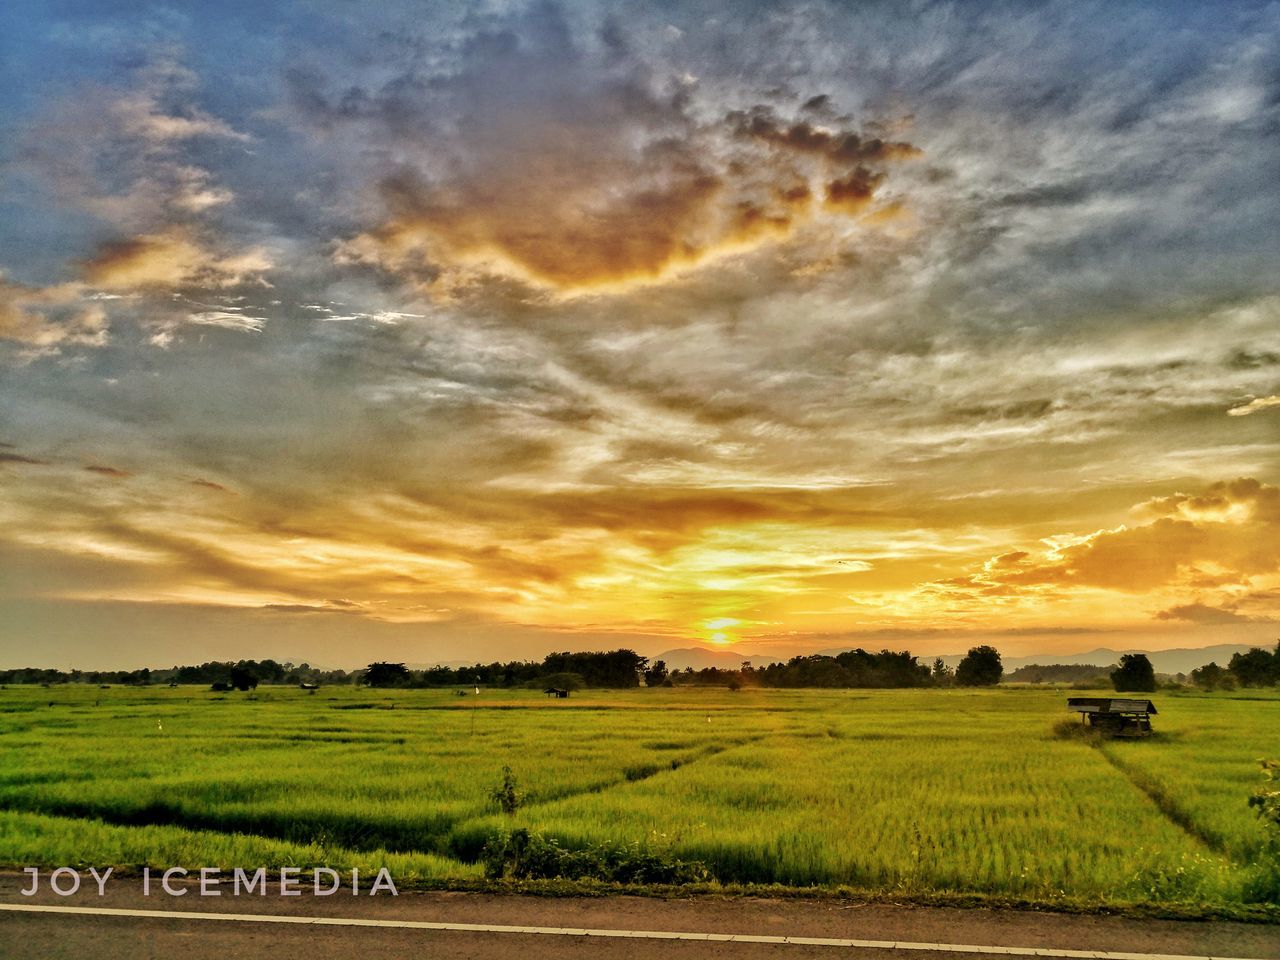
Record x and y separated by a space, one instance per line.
915 793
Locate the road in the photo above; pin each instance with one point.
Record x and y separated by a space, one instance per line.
267 926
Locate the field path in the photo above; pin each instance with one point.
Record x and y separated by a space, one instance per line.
922 931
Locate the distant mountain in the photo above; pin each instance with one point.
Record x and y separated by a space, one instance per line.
700 658
1180 660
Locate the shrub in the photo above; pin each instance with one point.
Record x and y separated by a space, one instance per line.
505 794
1068 729
1265 883
1266 799
521 855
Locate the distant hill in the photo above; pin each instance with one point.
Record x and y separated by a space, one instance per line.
1180 660
1056 673
700 658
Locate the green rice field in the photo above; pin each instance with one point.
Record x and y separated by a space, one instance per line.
912 793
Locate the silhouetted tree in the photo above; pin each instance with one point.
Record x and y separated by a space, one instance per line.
383 674
981 667
615 668
1257 668
656 674
1135 674
1210 677
243 679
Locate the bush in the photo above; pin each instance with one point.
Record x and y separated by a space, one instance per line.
1265 884
1266 799
1068 729
521 855
505 794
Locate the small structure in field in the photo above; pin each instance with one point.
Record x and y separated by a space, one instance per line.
1115 716
308 686
557 692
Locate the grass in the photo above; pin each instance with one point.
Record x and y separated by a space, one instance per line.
915 794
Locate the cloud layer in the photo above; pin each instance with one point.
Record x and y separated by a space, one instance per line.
573 168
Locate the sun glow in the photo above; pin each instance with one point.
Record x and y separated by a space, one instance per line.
716 628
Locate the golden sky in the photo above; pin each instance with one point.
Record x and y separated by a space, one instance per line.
495 330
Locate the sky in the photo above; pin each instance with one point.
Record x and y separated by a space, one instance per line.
337 331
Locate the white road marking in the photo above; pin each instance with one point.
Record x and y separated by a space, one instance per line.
583 932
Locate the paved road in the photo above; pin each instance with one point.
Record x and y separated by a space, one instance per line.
54 935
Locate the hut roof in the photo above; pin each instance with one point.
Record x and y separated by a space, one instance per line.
1110 705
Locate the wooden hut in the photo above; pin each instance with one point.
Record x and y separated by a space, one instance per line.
1115 716
556 692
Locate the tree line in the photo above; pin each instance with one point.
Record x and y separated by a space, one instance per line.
1255 668
623 668
215 671
614 668
610 669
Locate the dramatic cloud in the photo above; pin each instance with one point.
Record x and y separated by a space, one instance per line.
537 325
572 169
1227 536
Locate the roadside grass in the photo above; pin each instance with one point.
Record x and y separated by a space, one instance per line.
29 839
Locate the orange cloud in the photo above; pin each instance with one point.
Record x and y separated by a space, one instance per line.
1232 528
48 317
173 258
616 199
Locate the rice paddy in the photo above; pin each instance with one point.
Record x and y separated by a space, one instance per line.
912 792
